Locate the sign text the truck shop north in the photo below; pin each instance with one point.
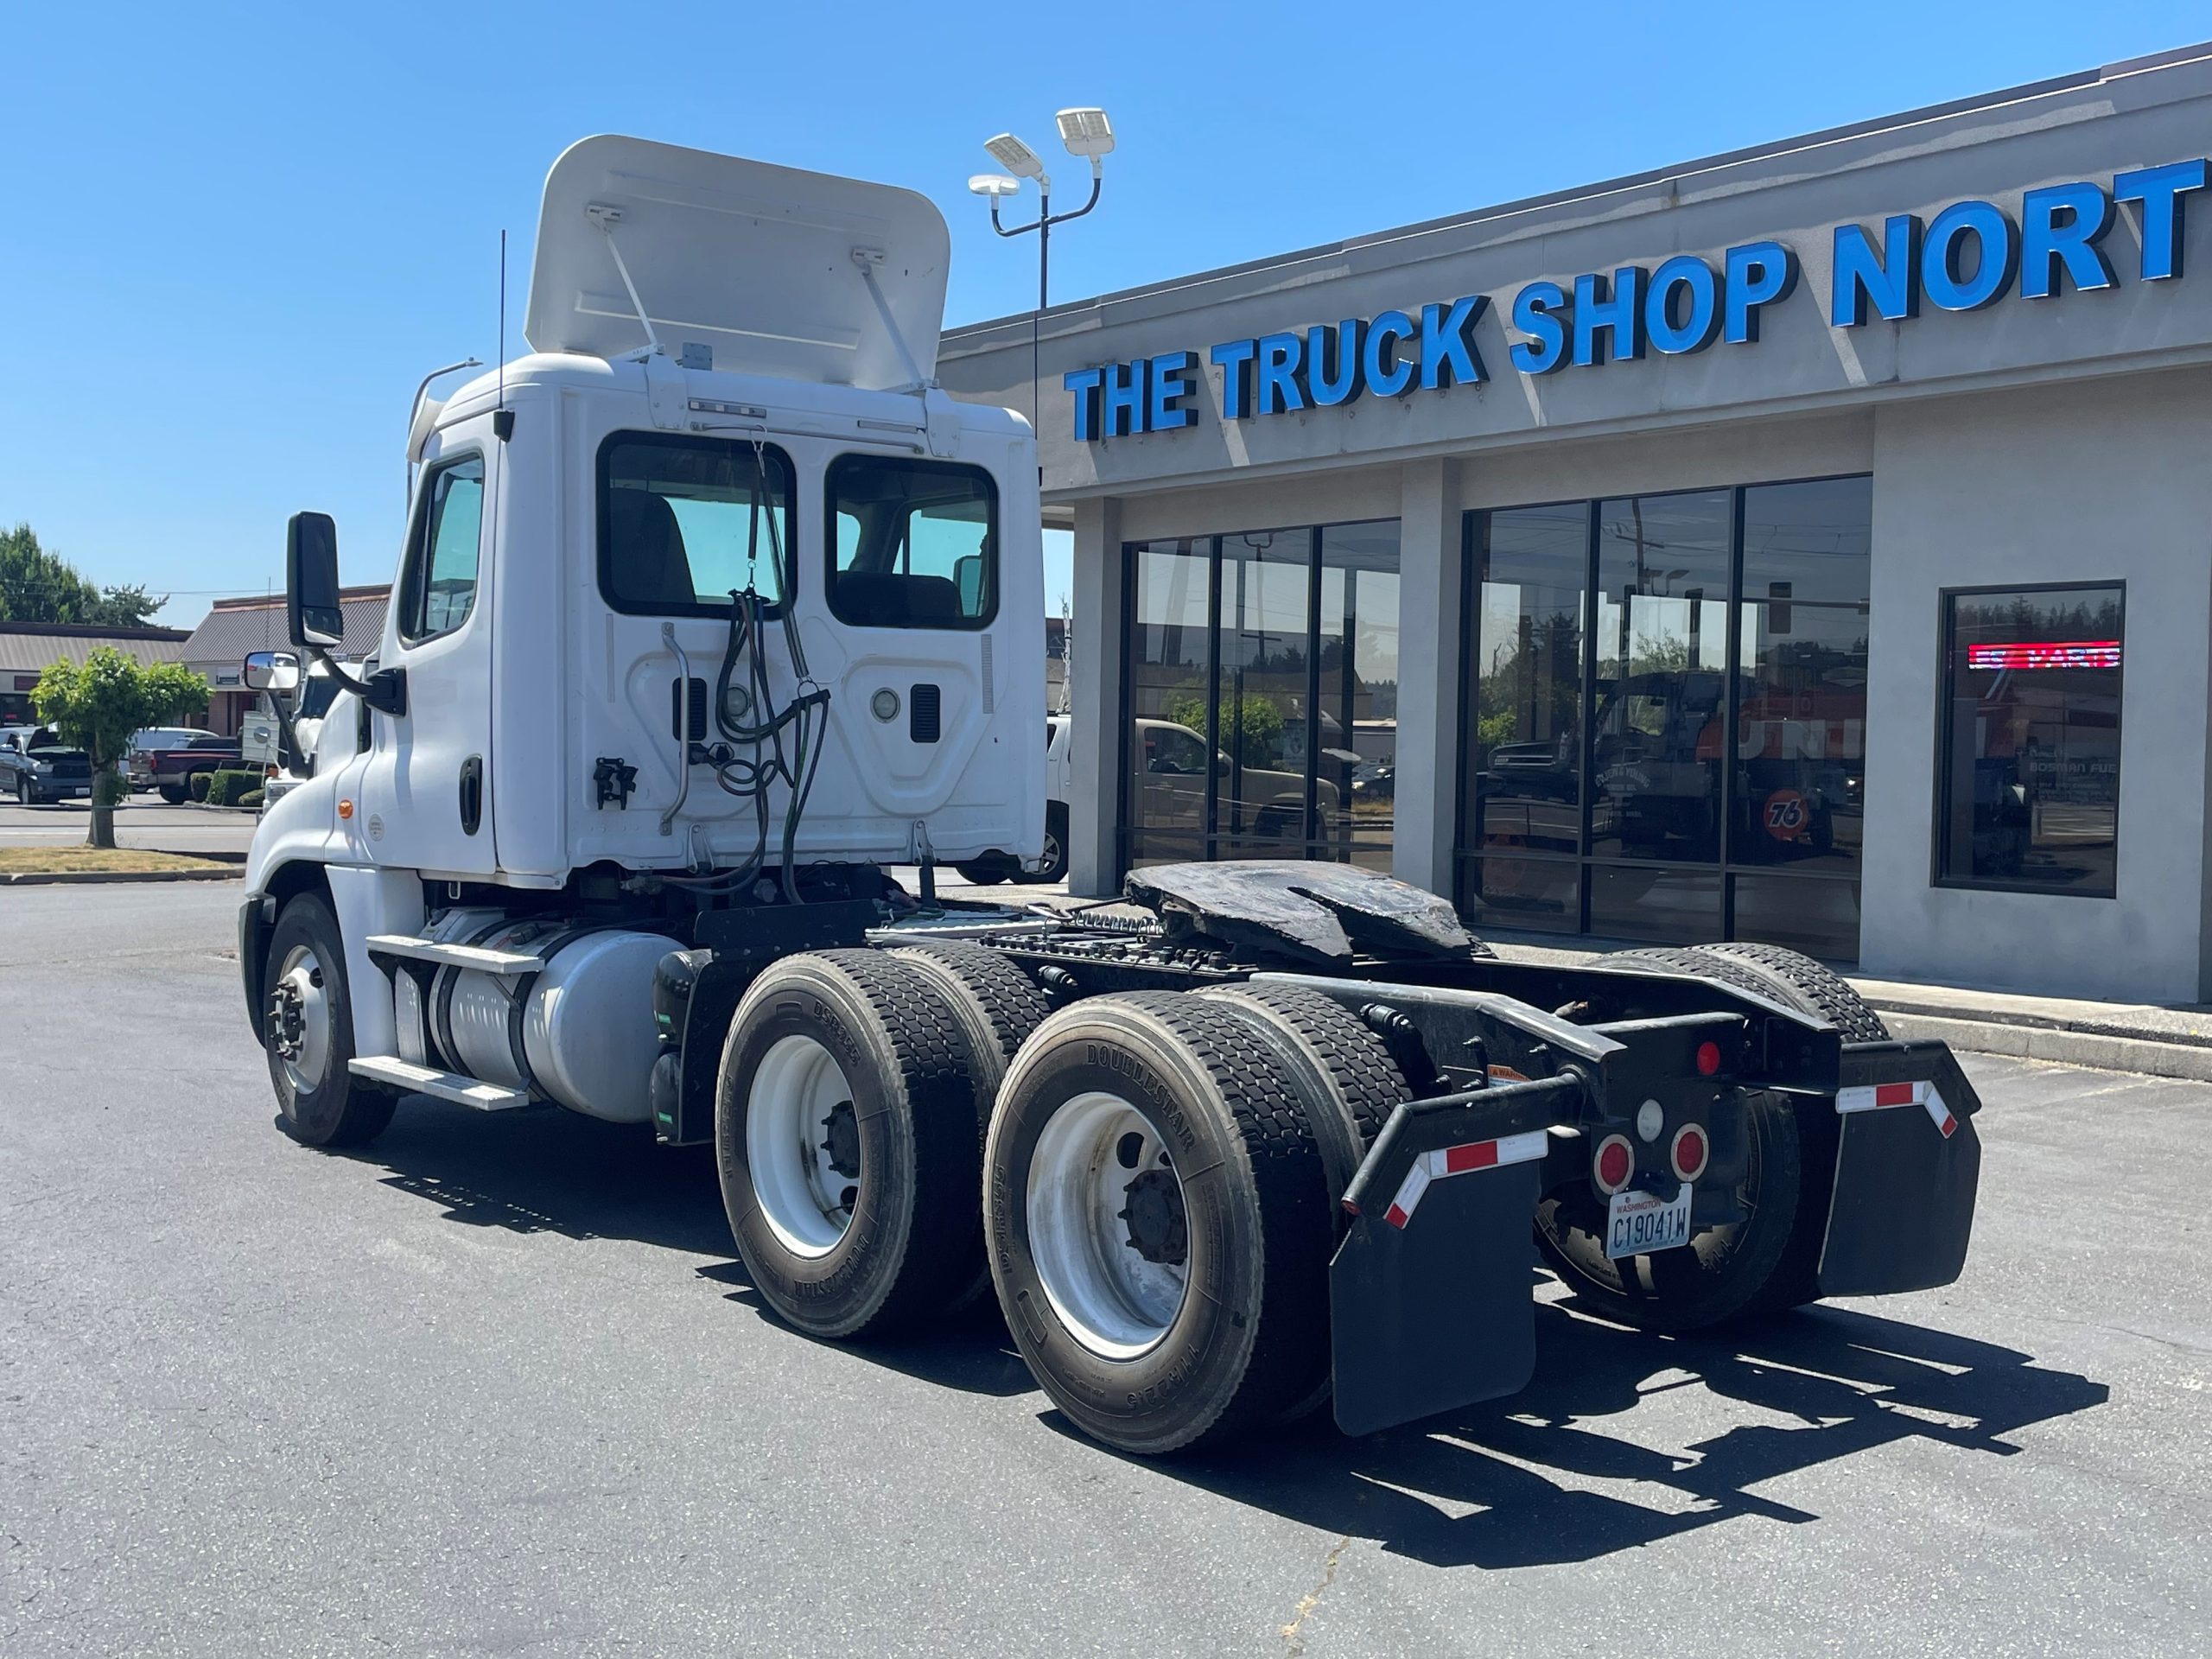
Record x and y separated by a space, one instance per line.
1970 255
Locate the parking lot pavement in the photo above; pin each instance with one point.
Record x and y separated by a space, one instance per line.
497 1385
144 821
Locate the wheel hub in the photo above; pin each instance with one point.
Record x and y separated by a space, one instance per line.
287 1019
840 1140
1158 1231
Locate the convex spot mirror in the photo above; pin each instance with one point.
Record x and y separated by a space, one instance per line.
312 610
271 670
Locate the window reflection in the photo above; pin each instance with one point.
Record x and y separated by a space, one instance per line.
1356 762
1634 821
2031 738
1801 742
1166 800
1259 693
1264 726
1662 640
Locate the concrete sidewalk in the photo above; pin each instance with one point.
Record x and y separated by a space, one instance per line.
2158 1041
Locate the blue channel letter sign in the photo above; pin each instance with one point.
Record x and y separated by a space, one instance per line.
1970 255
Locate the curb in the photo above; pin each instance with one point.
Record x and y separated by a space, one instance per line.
2190 1061
93 878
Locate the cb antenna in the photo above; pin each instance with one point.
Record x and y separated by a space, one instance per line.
503 418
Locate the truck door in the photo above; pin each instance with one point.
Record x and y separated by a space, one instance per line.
425 790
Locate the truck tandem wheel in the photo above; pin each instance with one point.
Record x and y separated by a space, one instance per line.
845 1134
1159 1224
308 1033
1344 1077
996 1005
1765 1262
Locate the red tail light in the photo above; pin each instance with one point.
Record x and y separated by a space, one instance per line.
1614 1163
1690 1153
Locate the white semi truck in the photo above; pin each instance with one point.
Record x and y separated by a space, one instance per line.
712 605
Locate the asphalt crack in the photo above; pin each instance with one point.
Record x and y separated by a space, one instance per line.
1294 1641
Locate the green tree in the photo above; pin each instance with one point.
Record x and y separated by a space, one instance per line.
96 704
38 586
1253 723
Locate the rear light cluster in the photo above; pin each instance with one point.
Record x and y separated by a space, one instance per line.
1614 1164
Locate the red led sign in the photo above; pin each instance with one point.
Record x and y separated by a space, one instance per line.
2049 653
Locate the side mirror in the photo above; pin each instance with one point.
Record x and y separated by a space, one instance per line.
312 610
270 670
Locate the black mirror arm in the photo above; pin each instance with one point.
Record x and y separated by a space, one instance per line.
385 691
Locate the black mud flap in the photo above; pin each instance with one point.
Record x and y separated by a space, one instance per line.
1908 1163
1438 1312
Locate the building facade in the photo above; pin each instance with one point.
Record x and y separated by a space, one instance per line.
1812 544
26 649
233 627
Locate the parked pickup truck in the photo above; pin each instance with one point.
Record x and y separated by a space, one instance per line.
173 769
35 766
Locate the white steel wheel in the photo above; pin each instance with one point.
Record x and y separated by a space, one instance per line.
1107 1227
803 1145
300 1006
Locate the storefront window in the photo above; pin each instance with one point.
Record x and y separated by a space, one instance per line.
1661 686
1356 761
2030 755
1263 682
1800 727
1524 719
1259 693
1169 655
1676 620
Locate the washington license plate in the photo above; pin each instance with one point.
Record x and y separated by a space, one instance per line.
1640 1223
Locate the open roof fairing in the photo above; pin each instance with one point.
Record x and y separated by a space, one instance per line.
762 264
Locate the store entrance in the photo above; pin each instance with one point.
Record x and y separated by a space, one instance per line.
1615 645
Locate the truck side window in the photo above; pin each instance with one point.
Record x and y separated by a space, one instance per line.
439 589
912 544
685 522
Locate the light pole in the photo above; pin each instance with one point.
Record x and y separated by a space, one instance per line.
1087 134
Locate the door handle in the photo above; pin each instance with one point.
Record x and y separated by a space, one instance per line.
471 793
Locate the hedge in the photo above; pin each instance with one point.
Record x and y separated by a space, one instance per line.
196 786
225 787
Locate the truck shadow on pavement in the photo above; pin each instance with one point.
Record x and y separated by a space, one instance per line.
1518 1482
554 1172
1515 1483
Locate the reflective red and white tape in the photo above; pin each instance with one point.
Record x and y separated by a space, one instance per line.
1877 1096
1462 1159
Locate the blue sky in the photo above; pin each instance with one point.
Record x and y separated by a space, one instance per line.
236 236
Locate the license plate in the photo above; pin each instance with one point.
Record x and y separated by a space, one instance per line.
1640 1223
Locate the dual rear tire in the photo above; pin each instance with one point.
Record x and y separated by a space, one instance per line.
1150 1180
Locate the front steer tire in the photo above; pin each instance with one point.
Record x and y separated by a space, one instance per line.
325 1105
1248 1343
906 1247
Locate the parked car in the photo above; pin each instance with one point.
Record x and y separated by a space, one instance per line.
138 761
173 769
1060 781
36 766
